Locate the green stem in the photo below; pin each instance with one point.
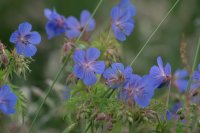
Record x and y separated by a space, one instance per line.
88 127
169 91
105 93
47 94
194 65
110 94
153 33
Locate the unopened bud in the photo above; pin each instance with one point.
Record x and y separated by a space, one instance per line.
1 46
110 126
67 47
101 117
4 59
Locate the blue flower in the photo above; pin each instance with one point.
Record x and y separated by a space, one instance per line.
25 40
75 27
7 100
161 74
122 22
196 79
56 25
180 82
172 115
139 89
117 75
86 66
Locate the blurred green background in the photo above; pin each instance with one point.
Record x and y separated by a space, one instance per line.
183 21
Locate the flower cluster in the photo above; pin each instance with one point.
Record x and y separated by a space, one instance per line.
57 24
131 86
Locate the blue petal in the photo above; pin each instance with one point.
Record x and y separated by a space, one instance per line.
79 71
115 13
168 69
155 72
79 56
128 72
99 67
126 6
199 67
33 38
73 33
84 18
118 33
160 63
27 50
126 17
109 73
118 67
25 28
195 86
182 85
8 100
196 76
168 115
127 28
14 37
180 74
92 54
142 101
47 13
89 78
4 90
73 23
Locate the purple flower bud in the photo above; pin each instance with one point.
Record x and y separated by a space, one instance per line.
101 117
4 59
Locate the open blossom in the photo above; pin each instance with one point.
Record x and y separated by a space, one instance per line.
7 100
180 80
161 74
75 27
87 66
117 75
122 21
139 89
25 40
56 25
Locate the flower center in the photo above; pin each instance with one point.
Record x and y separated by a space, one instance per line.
23 40
60 22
